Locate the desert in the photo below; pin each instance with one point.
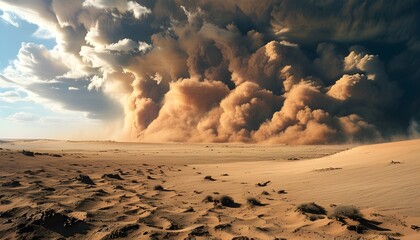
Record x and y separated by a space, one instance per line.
109 190
210 119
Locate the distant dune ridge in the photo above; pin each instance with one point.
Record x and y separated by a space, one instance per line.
111 190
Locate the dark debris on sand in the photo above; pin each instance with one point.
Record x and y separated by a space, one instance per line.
254 202
159 188
242 238
228 201
86 179
311 208
209 178
123 231
112 176
223 226
28 153
263 184
415 227
200 231
51 220
13 183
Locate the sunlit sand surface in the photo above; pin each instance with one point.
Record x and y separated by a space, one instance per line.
105 190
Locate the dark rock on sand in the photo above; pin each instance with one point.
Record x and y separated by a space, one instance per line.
357 228
263 184
227 201
24 228
60 223
209 178
112 176
223 226
86 179
5 202
123 231
28 153
311 208
11 184
159 188
30 172
101 192
415 227
35 221
200 231
281 191
254 202
241 238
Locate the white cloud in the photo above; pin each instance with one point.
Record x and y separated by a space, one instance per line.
36 12
122 6
44 33
12 96
40 72
96 83
73 89
123 45
22 117
93 36
10 18
36 62
9 94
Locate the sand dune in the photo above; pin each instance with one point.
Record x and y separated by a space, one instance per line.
109 190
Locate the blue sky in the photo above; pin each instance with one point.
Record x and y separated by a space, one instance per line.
17 114
11 41
24 114
12 38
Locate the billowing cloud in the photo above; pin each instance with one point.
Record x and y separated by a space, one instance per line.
42 73
292 71
35 61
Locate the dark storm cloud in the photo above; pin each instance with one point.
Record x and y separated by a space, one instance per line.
73 95
314 21
256 71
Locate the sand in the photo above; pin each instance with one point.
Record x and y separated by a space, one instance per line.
111 190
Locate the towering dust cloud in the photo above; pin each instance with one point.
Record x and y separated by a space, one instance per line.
286 71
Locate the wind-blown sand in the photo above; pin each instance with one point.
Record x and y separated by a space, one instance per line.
105 190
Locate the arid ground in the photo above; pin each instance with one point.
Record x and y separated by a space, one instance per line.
104 190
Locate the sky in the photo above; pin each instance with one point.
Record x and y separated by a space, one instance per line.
20 116
23 113
290 71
